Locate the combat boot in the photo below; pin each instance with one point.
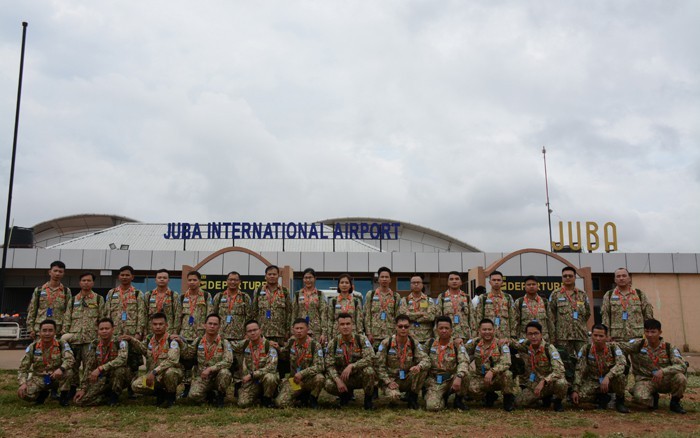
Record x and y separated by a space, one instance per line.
344 399
130 391
412 400
557 405
369 405
112 398
603 400
43 395
620 405
267 402
160 396
675 405
220 396
186 392
490 398
459 403
73 390
508 402
655 404
64 399
169 400
313 402
547 401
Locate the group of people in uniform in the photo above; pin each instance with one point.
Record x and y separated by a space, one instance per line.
281 349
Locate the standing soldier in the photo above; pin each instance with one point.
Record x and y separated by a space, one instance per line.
381 309
80 324
345 302
420 310
105 373
497 306
454 303
600 370
234 307
260 378
531 307
491 368
45 366
658 368
196 305
50 301
544 371
126 306
311 305
306 368
625 309
569 310
449 365
272 307
163 369
349 363
402 365
213 356
164 300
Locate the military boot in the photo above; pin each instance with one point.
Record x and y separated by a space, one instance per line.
655 404
557 404
64 399
220 396
313 402
73 390
112 398
675 405
43 395
603 400
186 392
169 400
130 391
620 405
547 401
160 396
508 402
344 399
412 400
267 402
459 403
490 398
369 405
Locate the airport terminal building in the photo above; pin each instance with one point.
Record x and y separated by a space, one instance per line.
103 243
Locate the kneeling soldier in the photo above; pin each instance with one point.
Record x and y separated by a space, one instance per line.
260 377
402 365
213 354
49 366
448 368
544 371
163 369
349 360
106 373
492 367
600 369
658 368
306 368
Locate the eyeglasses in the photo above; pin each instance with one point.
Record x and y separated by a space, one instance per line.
402 326
568 276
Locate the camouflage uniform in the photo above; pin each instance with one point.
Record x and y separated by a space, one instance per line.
169 303
592 368
314 308
489 358
543 364
218 356
624 314
128 311
80 327
307 359
162 360
421 311
273 310
114 374
445 363
381 310
394 363
261 363
47 303
234 311
645 360
525 311
193 313
340 354
39 363
570 313
340 304
459 309
499 309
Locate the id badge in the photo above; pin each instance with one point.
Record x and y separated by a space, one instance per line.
416 324
456 319
228 319
624 316
191 320
439 379
49 312
483 370
47 379
308 319
298 369
124 315
268 314
533 376
497 321
575 314
402 374
382 316
600 380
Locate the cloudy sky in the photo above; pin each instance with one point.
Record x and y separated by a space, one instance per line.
430 112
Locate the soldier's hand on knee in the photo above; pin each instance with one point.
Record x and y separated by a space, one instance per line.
297 378
456 384
658 376
539 388
22 391
393 385
488 378
341 386
94 375
574 397
79 396
605 385
57 374
414 369
346 373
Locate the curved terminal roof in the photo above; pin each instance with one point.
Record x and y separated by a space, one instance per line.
66 228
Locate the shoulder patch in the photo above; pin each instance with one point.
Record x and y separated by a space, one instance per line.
555 355
174 344
66 347
420 347
320 352
381 347
367 343
505 349
27 349
273 352
632 341
676 352
618 352
521 341
462 349
122 344
470 341
580 353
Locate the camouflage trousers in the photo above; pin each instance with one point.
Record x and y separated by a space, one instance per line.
36 385
310 385
556 388
134 360
80 352
252 390
569 355
590 388
217 382
501 382
412 383
437 393
364 378
643 390
166 381
115 380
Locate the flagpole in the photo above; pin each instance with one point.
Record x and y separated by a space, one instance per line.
546 189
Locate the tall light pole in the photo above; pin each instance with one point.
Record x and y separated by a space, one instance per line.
546 189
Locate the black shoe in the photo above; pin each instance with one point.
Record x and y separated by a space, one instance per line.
54 394
112 398
236 387
303 399
64 399
459 403
73 390
169 400
43 395
508 402
547 401
368 403
412 400
186 392
267 402
132 396
160 396
344 399
603 400
375 394
313 402
620 405
219 399
558 406
675 405
490 399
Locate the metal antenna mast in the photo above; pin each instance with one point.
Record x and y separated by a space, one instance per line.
546 189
